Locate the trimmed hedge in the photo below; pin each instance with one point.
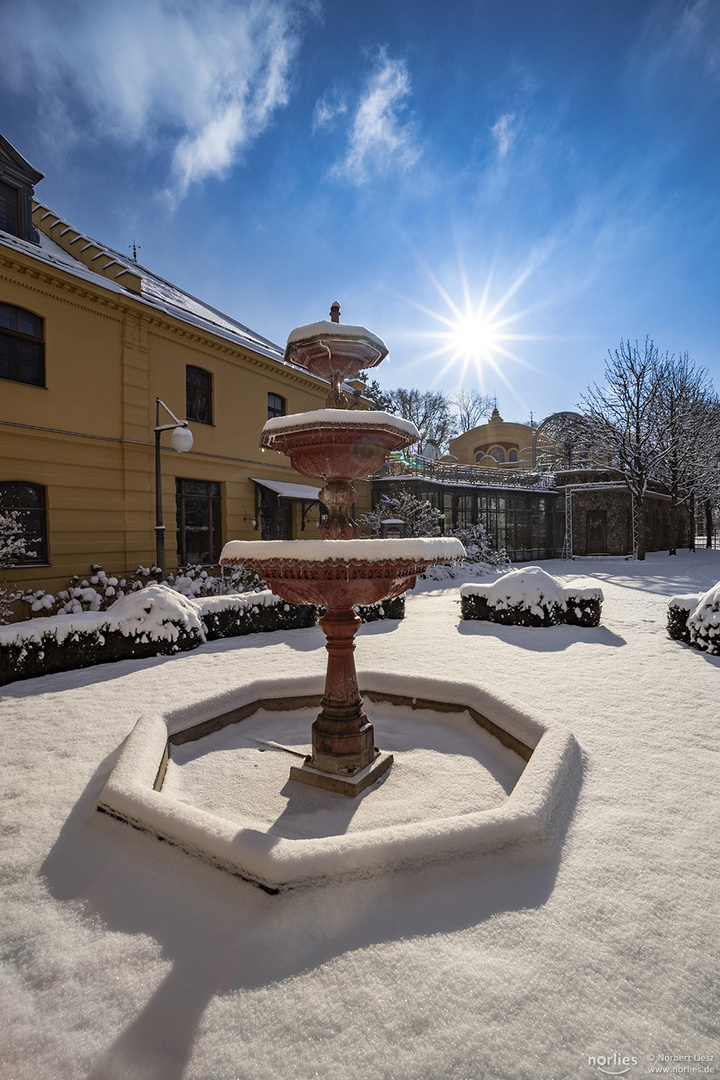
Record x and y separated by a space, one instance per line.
29 658
679 608
156 621
542 614
531 597
384 609
236 621
696 620
582 610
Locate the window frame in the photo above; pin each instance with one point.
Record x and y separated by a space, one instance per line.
273 410
213 499
193 389
12 334
40 511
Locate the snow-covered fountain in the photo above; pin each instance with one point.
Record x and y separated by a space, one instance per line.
472 772
339 570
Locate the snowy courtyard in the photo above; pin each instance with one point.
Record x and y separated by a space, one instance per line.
127 959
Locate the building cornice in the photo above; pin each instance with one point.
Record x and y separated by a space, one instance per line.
47 278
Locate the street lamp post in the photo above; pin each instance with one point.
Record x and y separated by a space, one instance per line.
182 441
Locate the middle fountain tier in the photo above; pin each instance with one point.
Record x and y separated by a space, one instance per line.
339 570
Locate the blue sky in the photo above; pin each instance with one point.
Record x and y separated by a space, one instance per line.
553 166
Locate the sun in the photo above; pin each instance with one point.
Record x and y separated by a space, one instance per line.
473 337
474 334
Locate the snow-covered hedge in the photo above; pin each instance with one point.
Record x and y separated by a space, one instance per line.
696 620
679 608
704 622
383 609
155 621
252 613
531 597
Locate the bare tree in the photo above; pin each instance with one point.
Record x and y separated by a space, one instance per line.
470 407
690 432
429 411
626 417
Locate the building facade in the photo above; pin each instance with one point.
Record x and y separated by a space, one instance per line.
89 341
534 514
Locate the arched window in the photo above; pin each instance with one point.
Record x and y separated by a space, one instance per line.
199 394
512 455
498 453
24 506
22 346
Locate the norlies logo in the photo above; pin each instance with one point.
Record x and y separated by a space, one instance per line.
612 1064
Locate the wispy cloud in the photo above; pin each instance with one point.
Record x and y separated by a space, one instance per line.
381 137
203 80
680 38
504 134
327 110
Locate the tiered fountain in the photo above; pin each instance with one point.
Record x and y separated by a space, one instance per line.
339 570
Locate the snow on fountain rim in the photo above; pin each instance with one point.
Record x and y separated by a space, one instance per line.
413 549
526 816
335 330
342 418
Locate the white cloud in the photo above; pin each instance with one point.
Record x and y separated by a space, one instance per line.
327 110
502 131
378 139
204 78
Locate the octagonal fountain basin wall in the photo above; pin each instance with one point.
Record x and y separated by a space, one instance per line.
472 774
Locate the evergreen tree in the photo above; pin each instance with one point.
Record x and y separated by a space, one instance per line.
421 519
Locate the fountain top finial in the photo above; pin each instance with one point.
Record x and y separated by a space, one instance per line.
335 312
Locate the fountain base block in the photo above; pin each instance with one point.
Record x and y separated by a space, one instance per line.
352 784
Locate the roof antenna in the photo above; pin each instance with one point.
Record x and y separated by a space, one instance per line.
135 250
335 311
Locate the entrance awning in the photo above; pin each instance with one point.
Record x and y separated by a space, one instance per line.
285 490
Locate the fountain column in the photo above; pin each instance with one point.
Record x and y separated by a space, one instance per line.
342 735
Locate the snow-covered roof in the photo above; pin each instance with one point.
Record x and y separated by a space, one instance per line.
285 490
155 291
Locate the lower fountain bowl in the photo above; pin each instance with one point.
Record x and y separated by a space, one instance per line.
340 573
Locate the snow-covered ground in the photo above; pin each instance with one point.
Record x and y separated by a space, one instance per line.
125 958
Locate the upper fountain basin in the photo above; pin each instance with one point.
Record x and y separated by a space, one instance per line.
337 443
327 348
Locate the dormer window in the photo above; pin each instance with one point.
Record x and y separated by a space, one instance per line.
17 177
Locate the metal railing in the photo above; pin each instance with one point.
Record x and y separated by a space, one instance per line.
406 464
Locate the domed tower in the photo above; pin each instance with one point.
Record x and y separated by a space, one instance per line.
497 444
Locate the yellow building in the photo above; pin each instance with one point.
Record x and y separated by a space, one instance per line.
89 340
494 445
